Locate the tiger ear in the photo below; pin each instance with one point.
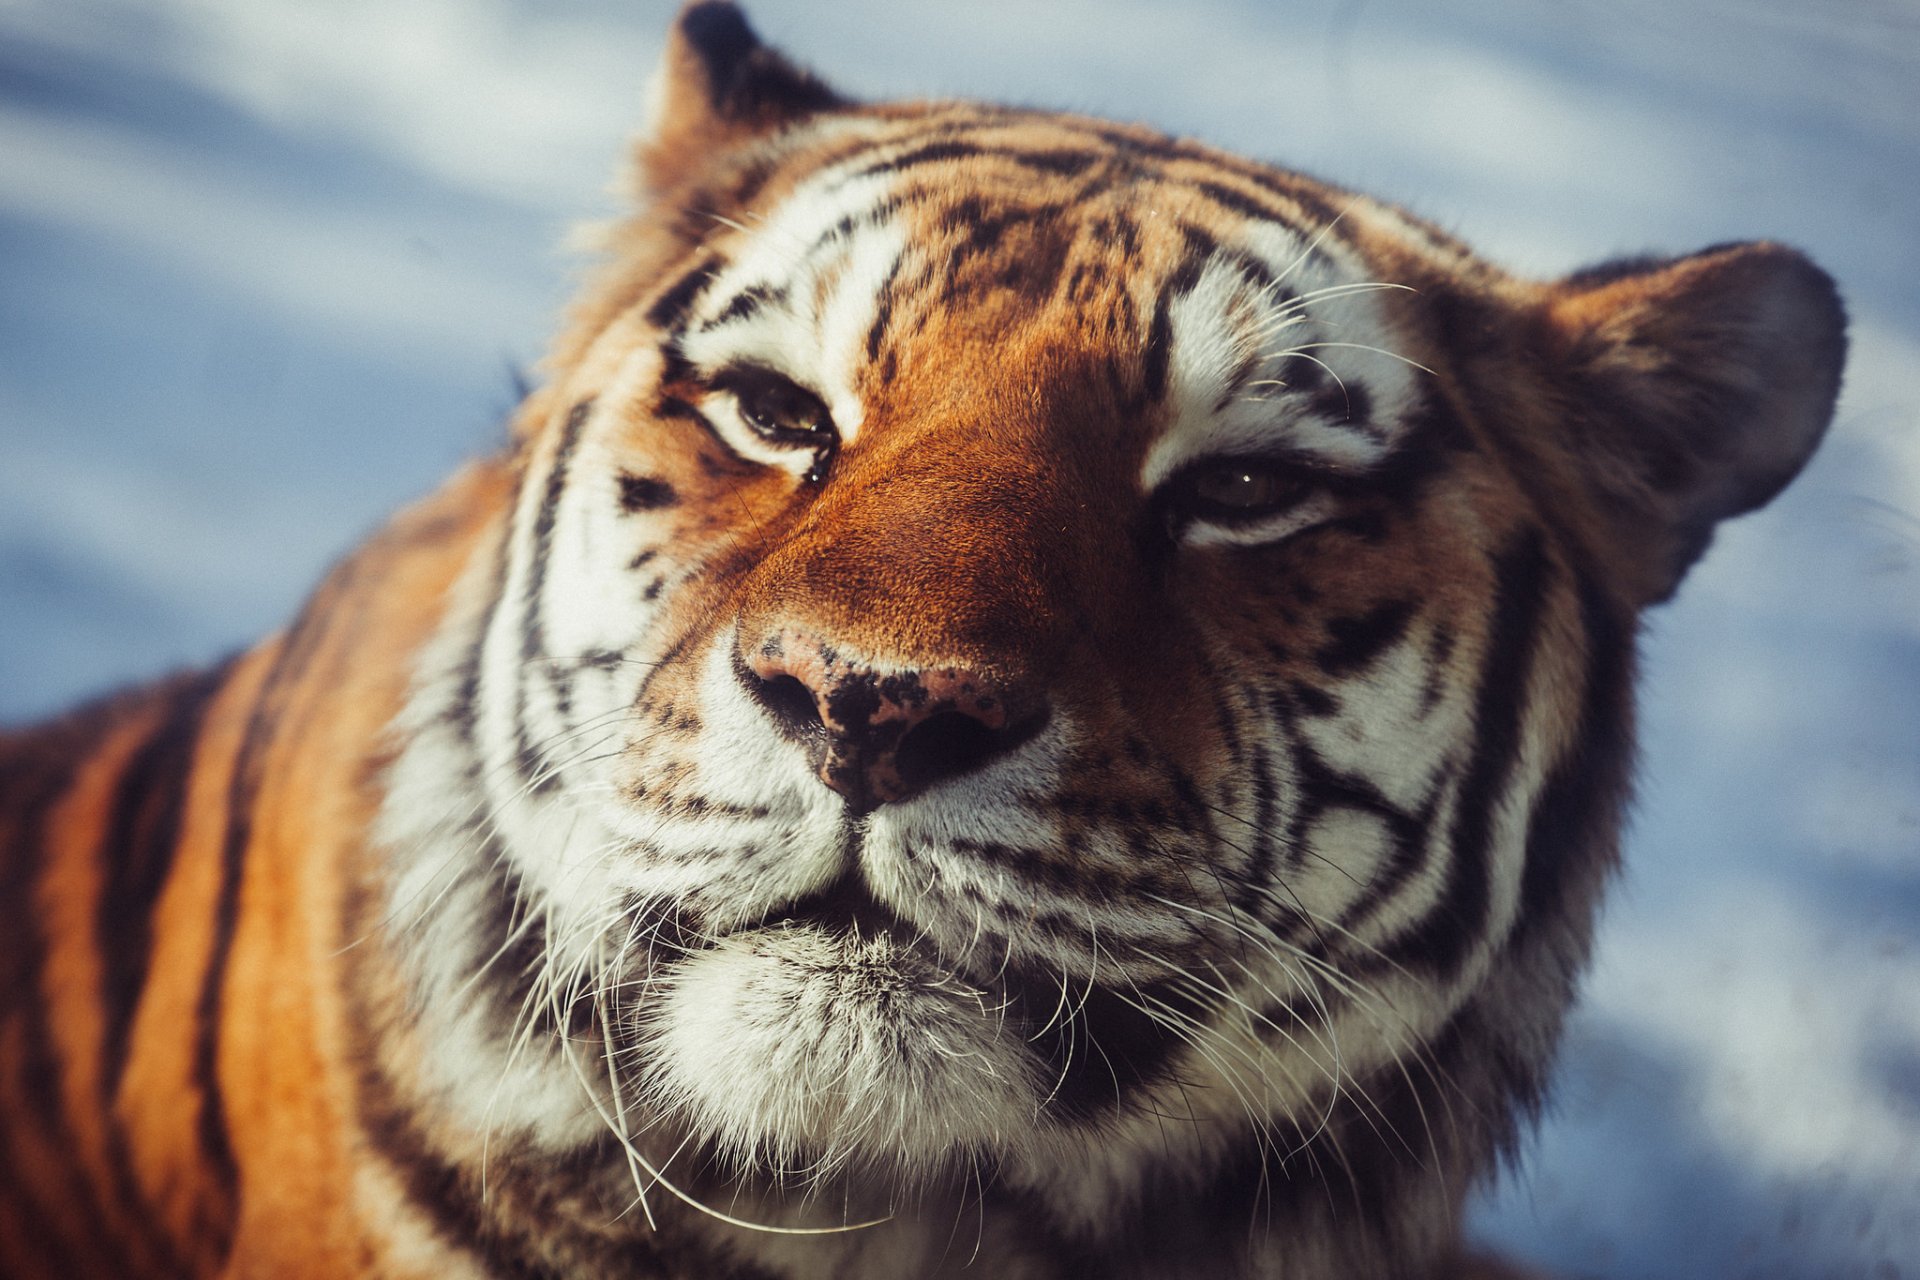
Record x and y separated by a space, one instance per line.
718 86
1698 387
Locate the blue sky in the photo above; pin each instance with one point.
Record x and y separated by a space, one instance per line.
268 269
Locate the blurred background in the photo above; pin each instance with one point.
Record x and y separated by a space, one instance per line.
267 269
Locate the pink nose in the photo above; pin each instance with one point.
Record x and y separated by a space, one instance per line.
879 734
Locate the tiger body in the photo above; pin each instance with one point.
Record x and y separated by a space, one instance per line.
1042 693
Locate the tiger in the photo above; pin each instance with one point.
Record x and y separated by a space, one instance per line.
1026 698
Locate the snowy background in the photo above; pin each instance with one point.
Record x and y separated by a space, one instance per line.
267 267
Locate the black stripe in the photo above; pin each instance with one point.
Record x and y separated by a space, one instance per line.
1063 162
927 153
1311 700
137 855
645 493
243 793
41 1071
1199 243
1439 654
1302 373
1321 787
1569 835
1158 352
45 769
1260 276
215 1143
465 712
1036 864
1238 380
835 234
985 225
1134 145
1190 811
671 306
843 230
507 941
519 1219
1079 274
674 366
1456 924
1410 850
1432 437
1348 403
1293 188
746 303
1247 206
1109 1047
882 311
1353 643
1159 348
748 182
1261 848
683 408
433 1186
1055 162
533 633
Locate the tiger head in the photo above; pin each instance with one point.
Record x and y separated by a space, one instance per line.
1033 651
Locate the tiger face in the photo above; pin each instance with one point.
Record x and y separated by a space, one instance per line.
1027 652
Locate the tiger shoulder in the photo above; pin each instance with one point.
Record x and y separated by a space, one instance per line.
1027 699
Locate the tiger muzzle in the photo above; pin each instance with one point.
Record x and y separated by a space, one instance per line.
877 733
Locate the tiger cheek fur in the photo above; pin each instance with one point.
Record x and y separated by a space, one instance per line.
1018 673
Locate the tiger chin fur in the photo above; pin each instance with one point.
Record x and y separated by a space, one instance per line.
1029 699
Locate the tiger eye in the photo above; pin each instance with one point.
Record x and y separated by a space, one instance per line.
1243 488
780 408
777 407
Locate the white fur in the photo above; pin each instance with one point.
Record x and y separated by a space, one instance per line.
793 1048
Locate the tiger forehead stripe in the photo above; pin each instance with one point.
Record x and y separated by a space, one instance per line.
1271 342
1102 154
789 294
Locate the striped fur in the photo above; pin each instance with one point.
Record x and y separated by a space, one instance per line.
1029 699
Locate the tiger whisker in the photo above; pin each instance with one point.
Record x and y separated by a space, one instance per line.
1319 238
1362 346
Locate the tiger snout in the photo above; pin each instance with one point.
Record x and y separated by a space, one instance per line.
877 732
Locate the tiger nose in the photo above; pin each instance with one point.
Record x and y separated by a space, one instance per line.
877 734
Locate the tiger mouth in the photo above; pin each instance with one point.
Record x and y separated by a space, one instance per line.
1089 1045
845 908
